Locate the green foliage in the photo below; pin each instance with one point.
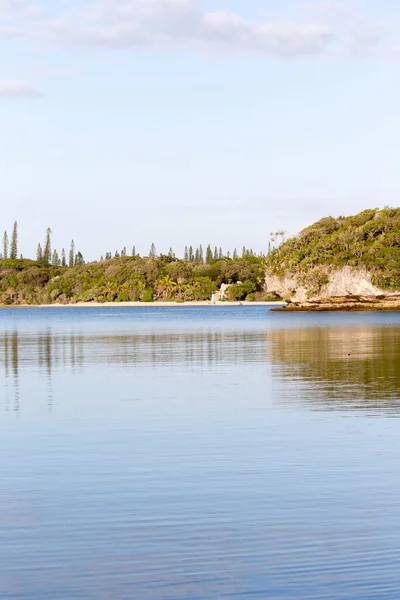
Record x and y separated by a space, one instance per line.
126 279
240 291
148 295
368 240
5 245
14 242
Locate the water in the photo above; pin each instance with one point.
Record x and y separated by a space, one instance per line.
197 453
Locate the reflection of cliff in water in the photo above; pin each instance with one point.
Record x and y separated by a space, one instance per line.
339 367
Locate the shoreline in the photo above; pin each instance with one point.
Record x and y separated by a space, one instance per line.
142 304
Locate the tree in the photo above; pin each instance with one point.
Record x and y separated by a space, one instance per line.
39 253
171 253
277 238
55 261
209 255
197 256
14 241
186 253
133 251
215 253
235 254
79 259
123 251
220 253
5 245
153 252
63 259
47 247
71 254
191 256
201 254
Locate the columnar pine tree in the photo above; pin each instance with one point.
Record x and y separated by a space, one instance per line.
39 253
186 253
220 253
201 254
235 254
209 254
153 252
55 261
63 259
191 255
71 254
47 247
14 241
123 251
79 259
244 251
133 251
197 256
171 253
5 245
215 253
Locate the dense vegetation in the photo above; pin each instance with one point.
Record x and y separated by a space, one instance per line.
369 240
127 278
117 277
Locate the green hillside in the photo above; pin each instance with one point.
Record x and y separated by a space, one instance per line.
370 240
144 279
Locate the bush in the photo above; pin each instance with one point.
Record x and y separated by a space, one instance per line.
369 240
148 295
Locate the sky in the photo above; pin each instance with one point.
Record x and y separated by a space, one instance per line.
178 122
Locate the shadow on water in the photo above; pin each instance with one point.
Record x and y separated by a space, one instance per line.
339 368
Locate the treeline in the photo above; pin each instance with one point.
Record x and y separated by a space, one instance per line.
118 277
44 253
139 279
191 254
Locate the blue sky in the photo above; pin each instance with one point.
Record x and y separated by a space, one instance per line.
185 122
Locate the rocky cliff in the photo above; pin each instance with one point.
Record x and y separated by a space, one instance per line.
344 282
340 263
347 289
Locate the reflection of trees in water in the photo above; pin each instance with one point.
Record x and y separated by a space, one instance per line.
48 352
10 360
355 365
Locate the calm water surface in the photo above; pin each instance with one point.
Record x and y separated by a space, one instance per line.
199 453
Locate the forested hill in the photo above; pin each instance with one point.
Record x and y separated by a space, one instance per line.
130 278
369 240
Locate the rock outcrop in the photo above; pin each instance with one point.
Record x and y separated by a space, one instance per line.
345 289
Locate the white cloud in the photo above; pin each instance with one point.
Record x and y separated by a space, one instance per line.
326 27
14 9
133 23
18 90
